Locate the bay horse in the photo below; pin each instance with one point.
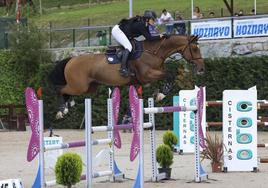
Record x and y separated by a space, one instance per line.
82 74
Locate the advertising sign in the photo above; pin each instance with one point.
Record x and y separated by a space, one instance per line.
240 130
219 29
251 27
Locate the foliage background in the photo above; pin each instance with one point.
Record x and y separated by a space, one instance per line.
221 74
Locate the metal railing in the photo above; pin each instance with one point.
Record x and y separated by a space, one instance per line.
101 35
105 38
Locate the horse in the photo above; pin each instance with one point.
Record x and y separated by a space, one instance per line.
82 74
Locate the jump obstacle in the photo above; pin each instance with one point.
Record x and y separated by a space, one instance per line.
197 108
117 141
261 121
33 150
243 119
36 145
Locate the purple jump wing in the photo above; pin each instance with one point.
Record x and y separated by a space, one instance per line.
116 107
33 116
200 105
135 112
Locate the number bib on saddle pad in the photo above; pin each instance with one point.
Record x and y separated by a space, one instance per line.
114 55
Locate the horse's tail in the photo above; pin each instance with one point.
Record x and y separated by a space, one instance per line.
57 74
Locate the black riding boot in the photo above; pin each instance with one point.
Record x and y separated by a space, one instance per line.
124 68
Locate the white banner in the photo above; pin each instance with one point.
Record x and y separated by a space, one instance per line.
51 156
251 27
240 129
212 29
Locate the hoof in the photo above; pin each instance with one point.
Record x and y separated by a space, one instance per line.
59 115
160 97
124 72
72 103
65 111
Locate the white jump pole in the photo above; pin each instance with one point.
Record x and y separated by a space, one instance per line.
88 125
155 176
141 158
41 143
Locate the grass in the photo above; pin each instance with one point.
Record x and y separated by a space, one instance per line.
70 13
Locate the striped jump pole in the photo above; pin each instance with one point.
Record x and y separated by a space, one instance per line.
262 104
262 145
168 109
219 124
263 160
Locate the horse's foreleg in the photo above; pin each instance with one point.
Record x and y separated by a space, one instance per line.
169 82
167 87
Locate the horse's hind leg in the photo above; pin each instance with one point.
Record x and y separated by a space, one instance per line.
63 101
64 97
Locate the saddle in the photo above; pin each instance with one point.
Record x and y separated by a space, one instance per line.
114 53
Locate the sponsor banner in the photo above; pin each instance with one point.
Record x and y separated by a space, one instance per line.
51 156
184 121
251 27
212 29
240 129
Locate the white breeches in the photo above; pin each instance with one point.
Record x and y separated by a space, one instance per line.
121 38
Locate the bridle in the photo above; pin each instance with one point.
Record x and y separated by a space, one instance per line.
191 53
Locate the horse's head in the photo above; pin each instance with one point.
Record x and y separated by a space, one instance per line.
191 53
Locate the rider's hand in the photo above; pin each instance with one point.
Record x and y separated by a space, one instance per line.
166 36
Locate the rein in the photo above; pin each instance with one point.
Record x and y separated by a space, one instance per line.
155 52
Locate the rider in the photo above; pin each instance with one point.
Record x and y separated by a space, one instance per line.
127 29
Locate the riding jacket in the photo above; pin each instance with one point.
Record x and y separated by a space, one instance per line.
135 27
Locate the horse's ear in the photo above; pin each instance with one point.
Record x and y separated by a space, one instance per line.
194 38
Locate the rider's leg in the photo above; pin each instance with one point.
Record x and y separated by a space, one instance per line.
122 39
124 66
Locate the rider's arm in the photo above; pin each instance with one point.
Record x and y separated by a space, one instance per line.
144 31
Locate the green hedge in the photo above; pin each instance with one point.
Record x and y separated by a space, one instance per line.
234 73
11 90
221 74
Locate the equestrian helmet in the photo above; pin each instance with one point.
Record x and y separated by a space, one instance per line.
150 14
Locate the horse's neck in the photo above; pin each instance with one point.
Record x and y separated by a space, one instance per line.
166 47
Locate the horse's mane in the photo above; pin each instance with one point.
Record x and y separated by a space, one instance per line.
154 44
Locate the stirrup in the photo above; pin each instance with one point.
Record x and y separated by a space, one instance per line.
124 72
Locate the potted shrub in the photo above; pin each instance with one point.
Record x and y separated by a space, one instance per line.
164 157
68 169
170 139
214 151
